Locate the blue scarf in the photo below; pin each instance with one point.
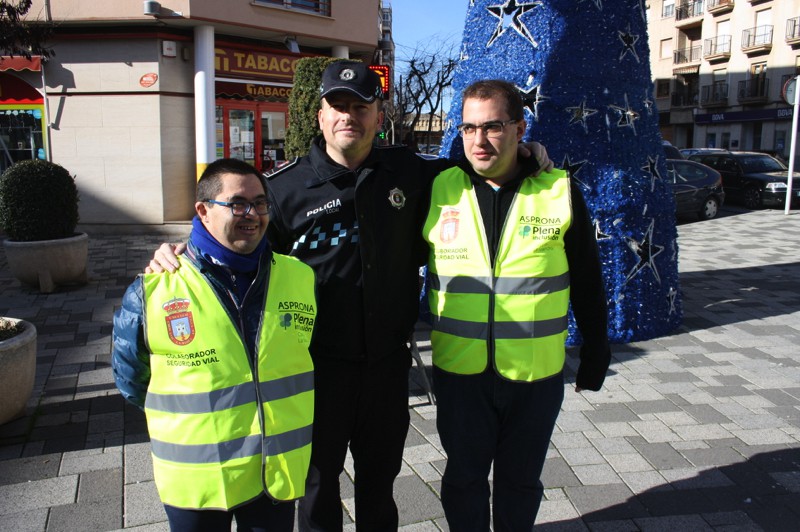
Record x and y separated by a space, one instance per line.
242 266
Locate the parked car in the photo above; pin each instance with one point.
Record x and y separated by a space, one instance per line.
432 149
755 179
696 187
671 151
688 152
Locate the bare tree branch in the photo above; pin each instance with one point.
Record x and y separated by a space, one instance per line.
422 88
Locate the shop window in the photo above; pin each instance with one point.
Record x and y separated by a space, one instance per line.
20 134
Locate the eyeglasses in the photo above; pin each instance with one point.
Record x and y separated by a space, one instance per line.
243 208
491 129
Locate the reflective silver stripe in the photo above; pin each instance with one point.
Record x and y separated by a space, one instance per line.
286 386
208 453
502 285
461 284
214 453
518 330
217 400
287 441
531 285
502 330
464 329
202 403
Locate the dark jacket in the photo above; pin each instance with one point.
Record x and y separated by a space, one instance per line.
130 358
361 232
587 291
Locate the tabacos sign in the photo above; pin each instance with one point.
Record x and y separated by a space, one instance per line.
268 66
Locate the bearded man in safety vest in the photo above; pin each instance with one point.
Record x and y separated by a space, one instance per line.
508 253
217 356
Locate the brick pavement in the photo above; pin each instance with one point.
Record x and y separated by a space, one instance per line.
697 430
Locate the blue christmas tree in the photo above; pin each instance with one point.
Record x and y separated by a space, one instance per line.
582 67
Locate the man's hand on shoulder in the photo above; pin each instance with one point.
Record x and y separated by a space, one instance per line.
538 151
165 258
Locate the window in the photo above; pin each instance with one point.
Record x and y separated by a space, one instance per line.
666 49
668 8
323 7
662 88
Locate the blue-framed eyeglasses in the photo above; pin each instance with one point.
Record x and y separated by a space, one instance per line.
243 208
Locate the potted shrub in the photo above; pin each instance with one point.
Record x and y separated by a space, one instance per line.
17 366
39 212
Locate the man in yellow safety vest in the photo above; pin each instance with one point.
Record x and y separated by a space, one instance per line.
508 253
217 356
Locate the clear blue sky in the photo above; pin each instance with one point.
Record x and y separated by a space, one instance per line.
415 23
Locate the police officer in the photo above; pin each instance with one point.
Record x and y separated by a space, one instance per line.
354 211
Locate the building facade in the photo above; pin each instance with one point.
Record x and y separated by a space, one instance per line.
719 68
140 96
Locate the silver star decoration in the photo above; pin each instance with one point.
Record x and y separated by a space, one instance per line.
672 295
672 175
628 40
464 55
572 170
508 16
643 10
598 233
627 115
652 168
648 103
531 98
647 251
580 114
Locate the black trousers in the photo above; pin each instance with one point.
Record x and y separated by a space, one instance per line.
260 515
364 406
484 419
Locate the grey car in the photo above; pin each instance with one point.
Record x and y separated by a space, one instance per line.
755 179
696 187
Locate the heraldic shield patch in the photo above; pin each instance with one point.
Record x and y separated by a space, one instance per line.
180 324
448 230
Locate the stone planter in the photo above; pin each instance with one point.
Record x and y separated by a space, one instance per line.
44 264
17 371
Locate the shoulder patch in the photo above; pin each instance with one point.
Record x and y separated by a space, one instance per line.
282 169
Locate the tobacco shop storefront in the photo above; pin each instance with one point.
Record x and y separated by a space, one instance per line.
252 103
22 111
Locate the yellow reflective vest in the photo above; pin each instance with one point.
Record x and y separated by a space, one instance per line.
223 432
514 313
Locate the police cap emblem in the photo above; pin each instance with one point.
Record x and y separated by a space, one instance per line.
347 74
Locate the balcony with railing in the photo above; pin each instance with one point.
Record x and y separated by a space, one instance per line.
716 7
714 95
689 14
321 7
754 90
793 31
757 40
687 55
717 48
684 98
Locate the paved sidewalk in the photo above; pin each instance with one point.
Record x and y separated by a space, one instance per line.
698 430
